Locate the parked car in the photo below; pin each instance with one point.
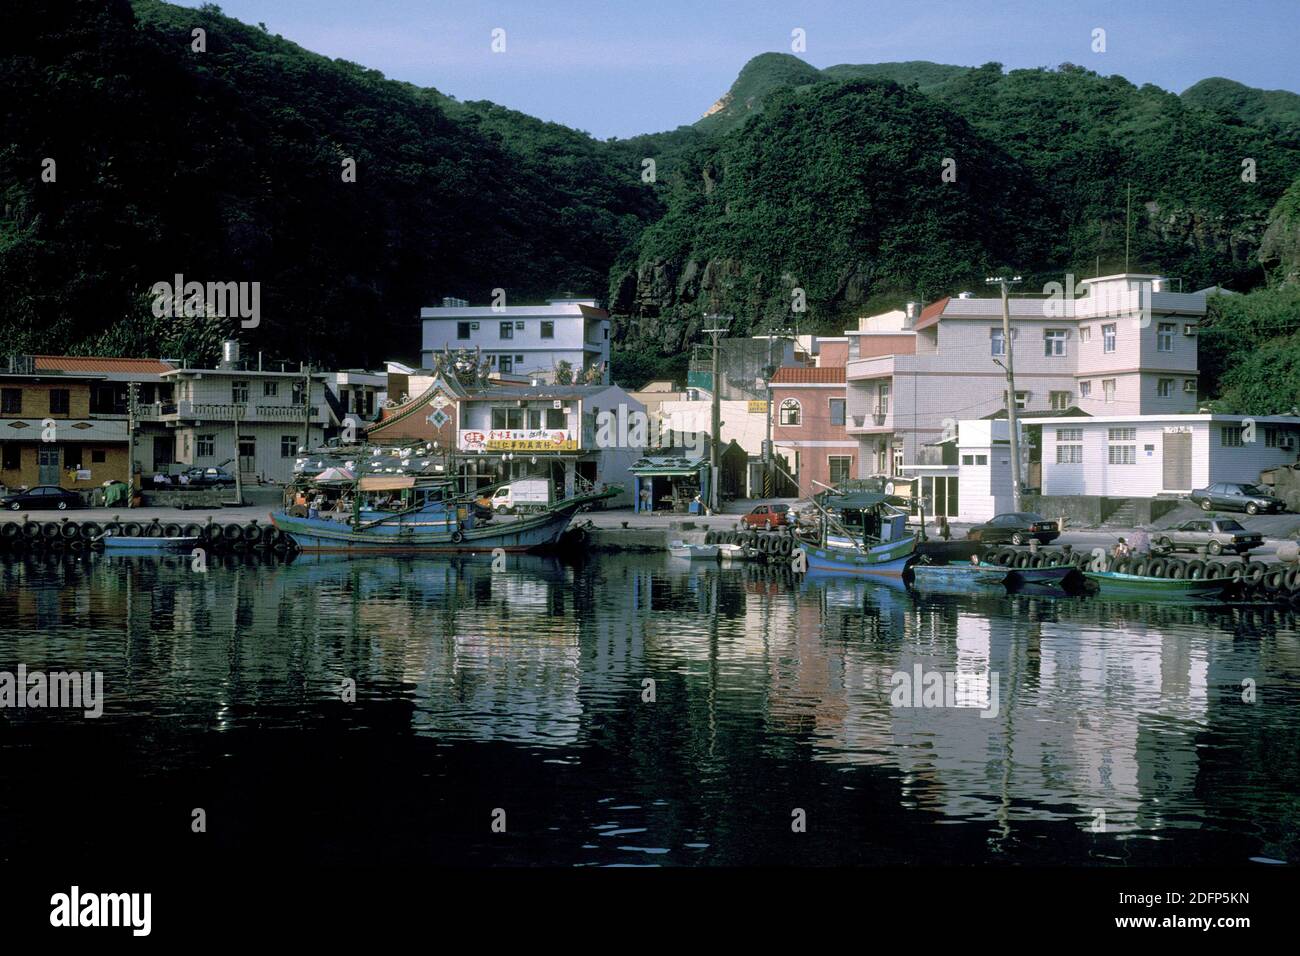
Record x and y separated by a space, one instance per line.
210 477
42 497
1211 535
1237 496
1016 527
767 516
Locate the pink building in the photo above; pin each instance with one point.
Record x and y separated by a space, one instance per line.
808 426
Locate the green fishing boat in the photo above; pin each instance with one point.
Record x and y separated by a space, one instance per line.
1115 584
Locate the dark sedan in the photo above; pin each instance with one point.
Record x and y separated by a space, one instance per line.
210 477
1237 496
42 497
1017 527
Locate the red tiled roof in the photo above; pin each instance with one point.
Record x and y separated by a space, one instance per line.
87 363
931 313
795 375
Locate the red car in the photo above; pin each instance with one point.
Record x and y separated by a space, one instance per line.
767 516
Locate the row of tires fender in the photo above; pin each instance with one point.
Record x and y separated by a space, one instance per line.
212 535
1255 574
764 542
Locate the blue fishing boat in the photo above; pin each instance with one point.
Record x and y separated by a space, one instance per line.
861 533
960 578
426 518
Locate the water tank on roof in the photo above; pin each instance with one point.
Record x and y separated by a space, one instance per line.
229 353
965 295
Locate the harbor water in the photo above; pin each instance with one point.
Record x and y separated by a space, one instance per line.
633 710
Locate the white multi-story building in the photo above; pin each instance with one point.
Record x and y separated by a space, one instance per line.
245 418
529 340
1127 347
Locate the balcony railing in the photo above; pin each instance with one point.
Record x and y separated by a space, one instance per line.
226 412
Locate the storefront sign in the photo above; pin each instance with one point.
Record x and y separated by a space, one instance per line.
518 439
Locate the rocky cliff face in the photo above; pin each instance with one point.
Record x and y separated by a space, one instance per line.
1279 249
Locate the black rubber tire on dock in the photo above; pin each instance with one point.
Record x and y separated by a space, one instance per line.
1274 580
1254 573
10 531
232 533
1215 571
50 530
252 532
171 531
1195 569
192 531
1156 567
1176 569
68 530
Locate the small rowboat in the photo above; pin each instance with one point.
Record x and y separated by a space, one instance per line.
118 542
693 552
1112 583
1043 575
963 578
734 552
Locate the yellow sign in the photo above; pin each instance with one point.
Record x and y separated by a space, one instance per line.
758 408
526 444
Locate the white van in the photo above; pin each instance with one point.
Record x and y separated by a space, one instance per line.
522 494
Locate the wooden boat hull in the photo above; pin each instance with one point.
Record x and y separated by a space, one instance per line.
116 542
888 562
961 579
1132 585
1037 575
400 536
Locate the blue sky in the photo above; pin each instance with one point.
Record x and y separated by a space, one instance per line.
622 67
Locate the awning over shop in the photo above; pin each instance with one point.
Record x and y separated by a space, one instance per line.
656 466
387 482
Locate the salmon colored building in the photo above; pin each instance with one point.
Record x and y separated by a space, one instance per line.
808 427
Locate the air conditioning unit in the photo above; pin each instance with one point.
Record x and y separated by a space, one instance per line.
1189 330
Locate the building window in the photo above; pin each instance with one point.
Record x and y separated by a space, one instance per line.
239 393
1123 454
506 363
548 329
1165 387
1085 389
288 446
72 455
270 389
1189 385
791 412
1054 342
462 330
1108 390
1108 338
507 418
98 456
1069 434
11 456
1069 454
1121 434
1060 400
1165 337
534 418
974 459
837 411
555 418
11 401
59 401
997 342
207 446
1230 436
507 330
1085 333
882 400
1021 399
840 466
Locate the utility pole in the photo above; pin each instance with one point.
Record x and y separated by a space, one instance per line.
130 451
715 436
239 478
1009 366
306 410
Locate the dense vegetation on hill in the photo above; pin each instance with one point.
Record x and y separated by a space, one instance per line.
835 186
226 165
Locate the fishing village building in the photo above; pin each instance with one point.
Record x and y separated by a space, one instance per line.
528 340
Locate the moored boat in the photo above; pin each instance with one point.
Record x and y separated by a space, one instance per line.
960 577
117 542
428 520
693 552
1133 585
869 537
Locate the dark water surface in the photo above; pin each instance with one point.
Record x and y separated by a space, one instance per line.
523 690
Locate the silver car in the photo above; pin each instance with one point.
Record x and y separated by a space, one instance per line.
1211 535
